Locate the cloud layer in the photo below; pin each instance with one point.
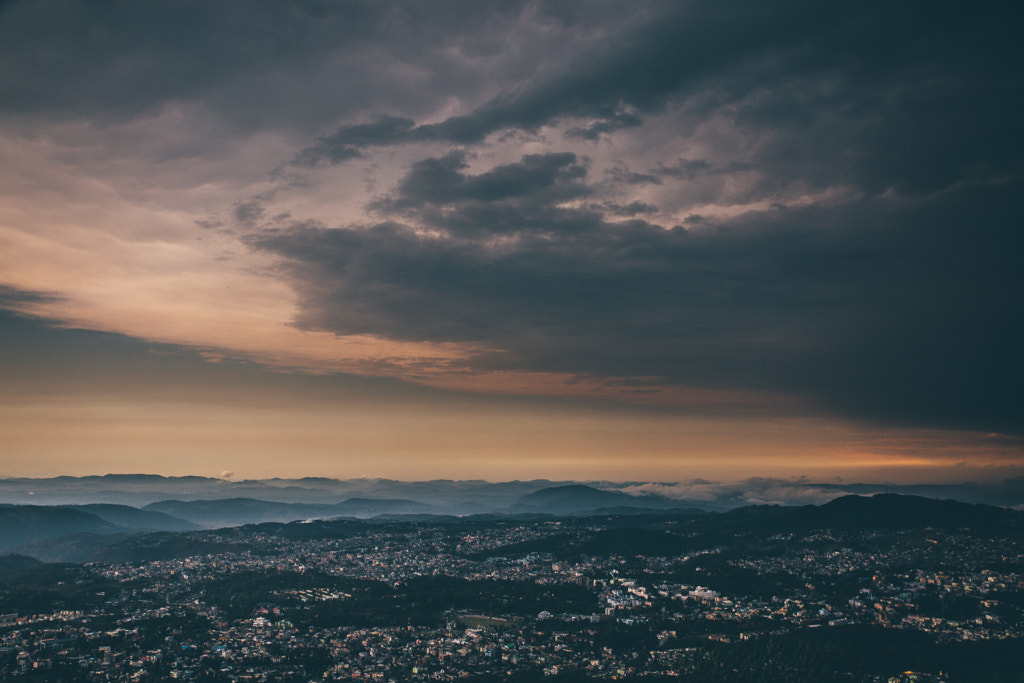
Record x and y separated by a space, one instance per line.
816 206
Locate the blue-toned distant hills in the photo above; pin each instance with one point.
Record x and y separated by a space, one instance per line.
34 527
75 517
574 498
461 497
79 533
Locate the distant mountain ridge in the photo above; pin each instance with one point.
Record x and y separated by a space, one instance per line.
580 497
139 490
464 497
133 518
71 534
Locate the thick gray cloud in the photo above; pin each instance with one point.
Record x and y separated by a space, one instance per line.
297 65
893 77
849 175
894 301
346 143
543 178
881 309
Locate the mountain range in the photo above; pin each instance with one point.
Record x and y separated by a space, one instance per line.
473 496
78 532
574 498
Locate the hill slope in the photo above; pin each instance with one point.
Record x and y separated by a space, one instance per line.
134 518
21 524
580 497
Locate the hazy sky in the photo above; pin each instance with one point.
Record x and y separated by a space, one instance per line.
622 240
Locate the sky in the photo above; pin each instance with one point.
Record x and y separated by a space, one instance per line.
643 241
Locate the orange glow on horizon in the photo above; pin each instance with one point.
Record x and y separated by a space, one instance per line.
49 435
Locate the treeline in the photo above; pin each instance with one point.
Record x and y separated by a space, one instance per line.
837 655
421 601
425 601
31 587
855 653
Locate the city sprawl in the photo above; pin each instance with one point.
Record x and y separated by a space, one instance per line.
605 597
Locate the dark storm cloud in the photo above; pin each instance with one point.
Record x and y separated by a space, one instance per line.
441 181
345 143
631 209
261 63
621 173
896 302
878 310
121 58
616 81
604 126
911 96
687 169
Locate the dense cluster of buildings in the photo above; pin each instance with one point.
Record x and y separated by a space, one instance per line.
643 618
